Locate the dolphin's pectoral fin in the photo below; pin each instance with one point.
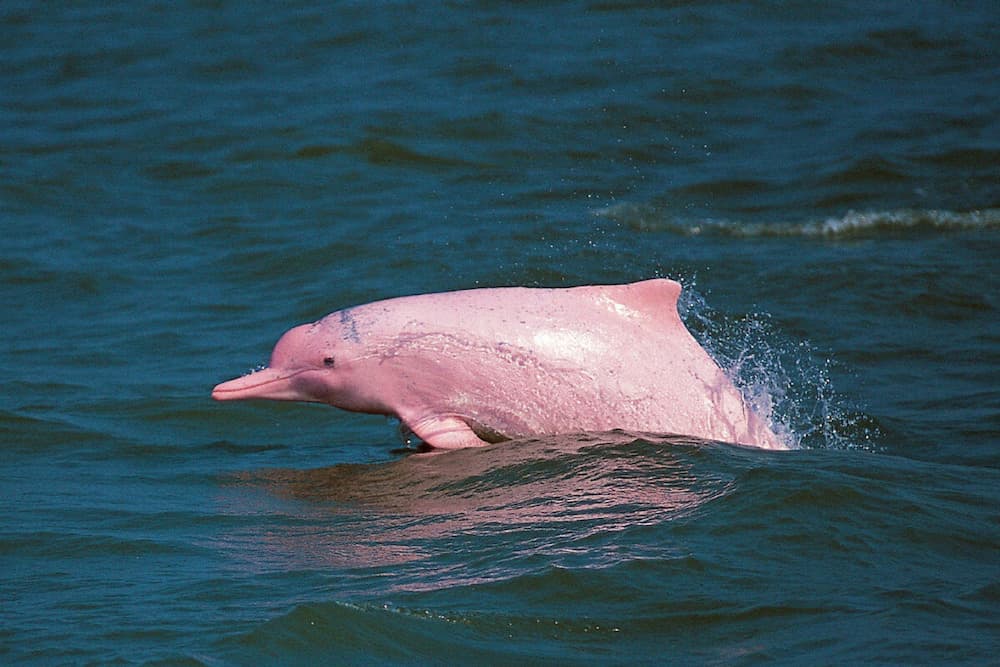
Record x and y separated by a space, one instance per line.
446 432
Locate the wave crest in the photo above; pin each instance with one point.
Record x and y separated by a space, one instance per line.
853 224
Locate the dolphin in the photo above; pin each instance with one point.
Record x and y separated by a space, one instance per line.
480 366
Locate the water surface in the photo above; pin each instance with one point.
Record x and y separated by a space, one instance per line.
184 182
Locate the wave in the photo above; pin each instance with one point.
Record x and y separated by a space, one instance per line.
383 152
853 224
534 585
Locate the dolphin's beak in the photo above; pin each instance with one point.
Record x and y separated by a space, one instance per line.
269 383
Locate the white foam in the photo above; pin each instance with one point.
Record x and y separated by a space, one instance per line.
853 223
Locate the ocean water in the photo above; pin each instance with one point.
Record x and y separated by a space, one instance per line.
182 182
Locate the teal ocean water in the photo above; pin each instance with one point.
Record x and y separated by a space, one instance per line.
182 182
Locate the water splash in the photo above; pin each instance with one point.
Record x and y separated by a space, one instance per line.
786 382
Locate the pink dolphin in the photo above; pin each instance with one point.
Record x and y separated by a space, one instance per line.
468 368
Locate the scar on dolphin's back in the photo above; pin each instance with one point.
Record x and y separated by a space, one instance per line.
350 326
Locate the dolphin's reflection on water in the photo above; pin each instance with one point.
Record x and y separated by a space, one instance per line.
556 497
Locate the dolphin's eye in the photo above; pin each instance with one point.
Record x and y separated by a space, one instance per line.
328 362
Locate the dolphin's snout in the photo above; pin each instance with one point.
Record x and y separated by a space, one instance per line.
268 383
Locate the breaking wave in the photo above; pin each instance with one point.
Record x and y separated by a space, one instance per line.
853 224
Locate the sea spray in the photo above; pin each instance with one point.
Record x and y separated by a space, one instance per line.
787 382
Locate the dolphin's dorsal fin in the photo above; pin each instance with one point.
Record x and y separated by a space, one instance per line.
654 293
652 298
